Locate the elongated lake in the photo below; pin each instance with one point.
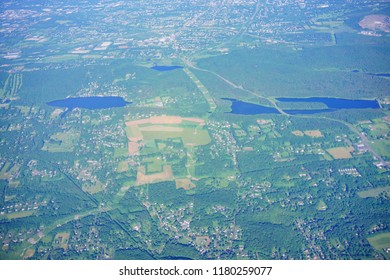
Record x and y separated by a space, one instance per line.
166 68
90 102
244 108
335 103
332 104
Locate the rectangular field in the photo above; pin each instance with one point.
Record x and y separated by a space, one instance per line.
374 192
341 152
143 179
17 215
381 243
313 133
191 136
382 147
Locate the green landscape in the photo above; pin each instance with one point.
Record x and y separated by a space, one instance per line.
202 159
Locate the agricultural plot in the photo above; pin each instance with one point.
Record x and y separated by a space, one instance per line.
382 147
62 142
29 253
143 178
184 184
341 152
61 240
374 192
123 166
17 215
298 133
153 139
56 113
12 85
9 171
381 243
313 133
93 187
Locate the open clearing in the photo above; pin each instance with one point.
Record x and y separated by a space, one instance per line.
142 178
189 130
133 148
17 215
123 166
9 172
381 242
203 241
374 192
161 128
61 240
62 142
94 187
56 113
382 147
154 164
298 133
147 136
184 184
29 253
341 152
313 133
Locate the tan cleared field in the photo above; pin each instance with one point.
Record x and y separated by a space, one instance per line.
184 184
61 240
142 178
298 133
29 253
197 120
313 133
134 148
203 241
156 120
56 113
150 133
341 152
161 128
164 120
191 132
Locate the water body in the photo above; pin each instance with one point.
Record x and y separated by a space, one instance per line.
90 102
336 103
333 104
308 112
374 74
245 108
380 75
166 68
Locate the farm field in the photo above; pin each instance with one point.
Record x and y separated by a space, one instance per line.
341 152
381 242
374 192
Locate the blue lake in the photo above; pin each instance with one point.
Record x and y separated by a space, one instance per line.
333 104
308 112
166 68
245 108
336 103
380 75
90 102
373 74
